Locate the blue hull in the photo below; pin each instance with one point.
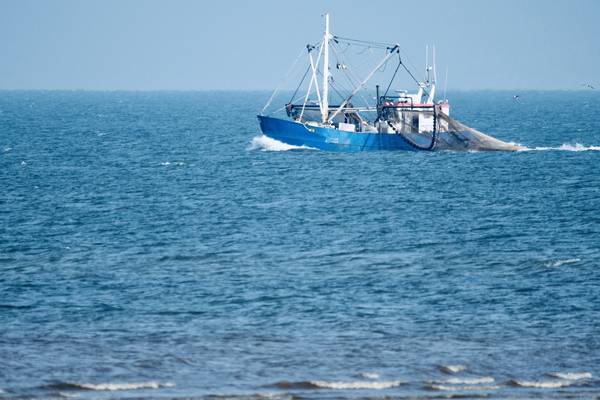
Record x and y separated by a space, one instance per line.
329 139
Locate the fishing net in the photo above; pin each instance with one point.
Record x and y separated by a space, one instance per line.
455 135
417 129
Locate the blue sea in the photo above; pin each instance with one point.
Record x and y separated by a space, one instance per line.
154 245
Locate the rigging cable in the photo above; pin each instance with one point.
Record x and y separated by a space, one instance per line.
300 84
281 83
393 76
363 42
360 53
415 79
347 73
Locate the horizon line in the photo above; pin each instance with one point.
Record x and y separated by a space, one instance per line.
271 90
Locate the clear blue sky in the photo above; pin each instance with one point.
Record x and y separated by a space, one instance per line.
197 45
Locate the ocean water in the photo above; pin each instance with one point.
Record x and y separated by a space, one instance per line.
154 245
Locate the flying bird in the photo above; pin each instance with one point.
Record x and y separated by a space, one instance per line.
587 85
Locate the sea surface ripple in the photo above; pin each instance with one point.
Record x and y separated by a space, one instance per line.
154 245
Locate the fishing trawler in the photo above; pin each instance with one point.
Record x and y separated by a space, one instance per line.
396 120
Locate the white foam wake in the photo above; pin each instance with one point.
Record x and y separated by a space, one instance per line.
463 387
453 368
119 386
167 163
571 376
562 262
542 384
356 385
369 375
266 143
565 147
468 381
68 395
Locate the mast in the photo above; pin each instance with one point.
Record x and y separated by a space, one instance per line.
325 98
433 82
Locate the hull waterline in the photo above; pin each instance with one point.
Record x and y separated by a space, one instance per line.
329 139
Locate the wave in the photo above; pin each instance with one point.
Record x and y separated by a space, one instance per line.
462 387
453 368
562 262
110 386
68 395
541 384
565 147
468 381
369 375
356 385
266 143
337 385
167 163
571 376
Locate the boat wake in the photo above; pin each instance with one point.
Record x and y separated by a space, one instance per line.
565 147
265 143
